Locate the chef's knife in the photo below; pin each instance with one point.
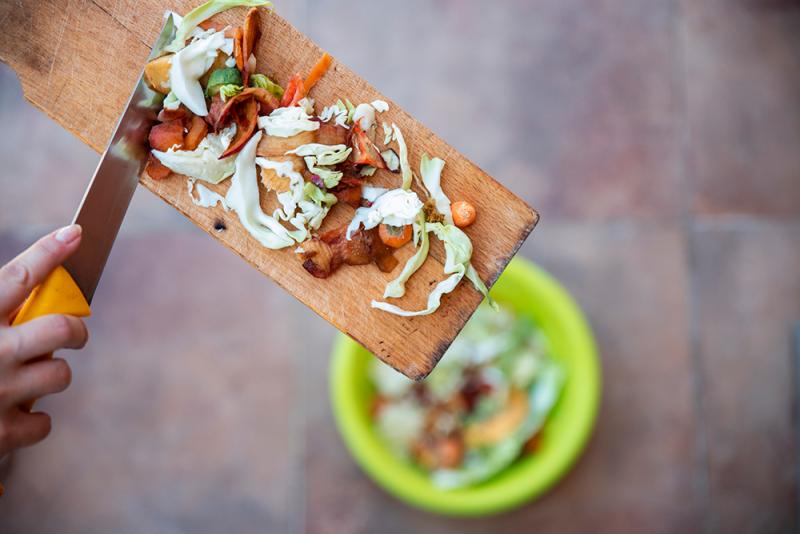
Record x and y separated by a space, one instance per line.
70 288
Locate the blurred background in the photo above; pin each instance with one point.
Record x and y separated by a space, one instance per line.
660 141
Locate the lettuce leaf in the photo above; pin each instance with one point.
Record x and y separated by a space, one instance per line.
203 12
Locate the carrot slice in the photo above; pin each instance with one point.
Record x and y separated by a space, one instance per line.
197 132
238 52
393 237
250 35
155 169
295 92
318 71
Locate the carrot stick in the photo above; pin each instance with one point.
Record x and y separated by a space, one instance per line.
318 71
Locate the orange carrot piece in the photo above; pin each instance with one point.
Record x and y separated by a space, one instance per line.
295 91
318 71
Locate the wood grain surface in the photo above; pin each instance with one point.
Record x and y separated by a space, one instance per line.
78 61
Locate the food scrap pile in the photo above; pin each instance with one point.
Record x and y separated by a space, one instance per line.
482 408
224 120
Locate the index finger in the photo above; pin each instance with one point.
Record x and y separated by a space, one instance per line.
26 271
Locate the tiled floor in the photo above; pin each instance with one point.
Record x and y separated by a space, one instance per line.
660 140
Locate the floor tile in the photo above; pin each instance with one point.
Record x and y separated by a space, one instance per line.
645 436
743 78
747 285
550 97
179 415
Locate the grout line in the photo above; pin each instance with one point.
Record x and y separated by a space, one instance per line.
700 462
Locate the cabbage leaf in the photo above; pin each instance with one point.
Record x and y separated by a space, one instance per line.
203 12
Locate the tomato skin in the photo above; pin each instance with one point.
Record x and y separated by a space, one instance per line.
390 236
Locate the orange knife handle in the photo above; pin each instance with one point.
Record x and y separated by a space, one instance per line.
58 294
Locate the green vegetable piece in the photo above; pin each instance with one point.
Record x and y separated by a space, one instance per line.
229 90
220 77
259 80
317 196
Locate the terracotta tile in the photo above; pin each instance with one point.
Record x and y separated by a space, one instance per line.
743 74
747 283
574 105
638 474
179 415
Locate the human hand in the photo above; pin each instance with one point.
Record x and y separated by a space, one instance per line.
26 370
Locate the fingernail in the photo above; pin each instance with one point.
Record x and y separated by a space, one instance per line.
68 234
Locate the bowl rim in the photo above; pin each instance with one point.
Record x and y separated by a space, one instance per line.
506 491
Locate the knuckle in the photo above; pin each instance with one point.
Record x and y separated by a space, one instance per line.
61 374
45 426
16 273
10 344
61 327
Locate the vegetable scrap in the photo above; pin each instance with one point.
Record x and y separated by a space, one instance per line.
224 120
483 407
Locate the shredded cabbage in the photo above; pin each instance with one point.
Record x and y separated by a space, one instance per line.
388 133
193 18
171 101
364 116
243 198
230 90
317 196
323 154
380 106
188 66
395 208
337 112
260 80
390 158
371 194
287 122
397 287
405 168
431 171
206 198
367 170
319 157
203 162
329 177
304 206
458 251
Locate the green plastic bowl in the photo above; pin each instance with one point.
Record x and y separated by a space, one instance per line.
528 290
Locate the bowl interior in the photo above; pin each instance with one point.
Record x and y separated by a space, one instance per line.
527 290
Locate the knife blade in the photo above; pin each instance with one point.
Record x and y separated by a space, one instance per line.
109 193
70 288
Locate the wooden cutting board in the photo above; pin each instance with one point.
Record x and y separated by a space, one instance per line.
78 61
